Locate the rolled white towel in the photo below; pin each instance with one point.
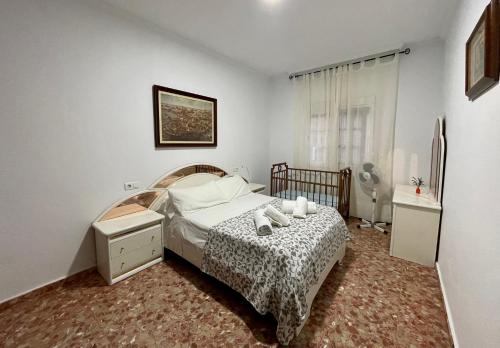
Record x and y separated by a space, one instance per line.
262 223
276 216
300 210
287 207
274 222
312 208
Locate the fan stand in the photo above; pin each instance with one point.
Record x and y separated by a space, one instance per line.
372 224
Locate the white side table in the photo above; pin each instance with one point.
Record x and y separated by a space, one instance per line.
415 225
128 244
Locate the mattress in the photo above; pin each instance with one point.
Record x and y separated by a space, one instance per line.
319 198
187 235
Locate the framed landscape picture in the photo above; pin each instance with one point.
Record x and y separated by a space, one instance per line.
184 119
483 53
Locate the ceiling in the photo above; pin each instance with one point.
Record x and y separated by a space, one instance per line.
278 36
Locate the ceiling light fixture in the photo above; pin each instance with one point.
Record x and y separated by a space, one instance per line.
270 3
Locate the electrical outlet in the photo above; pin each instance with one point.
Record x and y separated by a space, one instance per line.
131 185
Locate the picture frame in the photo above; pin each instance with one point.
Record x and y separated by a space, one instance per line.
184 119
483 53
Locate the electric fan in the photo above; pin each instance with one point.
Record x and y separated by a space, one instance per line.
369 180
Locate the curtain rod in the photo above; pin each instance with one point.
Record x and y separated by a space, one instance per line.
352 61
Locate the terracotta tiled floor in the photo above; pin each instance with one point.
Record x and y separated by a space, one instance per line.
371 300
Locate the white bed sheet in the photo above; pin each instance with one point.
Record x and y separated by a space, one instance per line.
187 235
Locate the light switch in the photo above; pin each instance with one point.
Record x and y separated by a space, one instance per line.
131 185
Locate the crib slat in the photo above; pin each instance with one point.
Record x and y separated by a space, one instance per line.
281 185
333 190
301 186
307 185
314 186
294 182
289 186
326 189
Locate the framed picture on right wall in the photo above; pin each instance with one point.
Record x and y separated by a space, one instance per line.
483 53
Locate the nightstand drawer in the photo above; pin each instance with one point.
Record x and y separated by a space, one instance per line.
133 241
135 258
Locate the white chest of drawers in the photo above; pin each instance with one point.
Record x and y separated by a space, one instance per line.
128 244
415 226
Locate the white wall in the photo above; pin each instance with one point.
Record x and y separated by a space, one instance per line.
469 256
77 122
420 102
281 120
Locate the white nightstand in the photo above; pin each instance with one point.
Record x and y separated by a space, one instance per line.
128 244
256 187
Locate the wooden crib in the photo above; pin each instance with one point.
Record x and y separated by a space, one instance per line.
320 186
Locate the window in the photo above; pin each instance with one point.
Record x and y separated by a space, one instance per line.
318 140
354 136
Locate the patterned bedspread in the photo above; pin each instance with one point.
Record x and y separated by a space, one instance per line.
274 273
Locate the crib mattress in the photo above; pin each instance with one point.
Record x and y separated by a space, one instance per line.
313 197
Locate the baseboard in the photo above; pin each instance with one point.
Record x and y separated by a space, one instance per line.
5 302
451 325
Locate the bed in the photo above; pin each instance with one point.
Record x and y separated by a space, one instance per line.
280 274
331 188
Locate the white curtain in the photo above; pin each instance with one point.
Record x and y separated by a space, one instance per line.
345 117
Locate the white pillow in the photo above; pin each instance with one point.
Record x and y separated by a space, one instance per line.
198 197
233 187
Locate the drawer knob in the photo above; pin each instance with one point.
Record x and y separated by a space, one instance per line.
121 250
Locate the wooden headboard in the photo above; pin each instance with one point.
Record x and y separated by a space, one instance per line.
155 197
171 177
438 160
